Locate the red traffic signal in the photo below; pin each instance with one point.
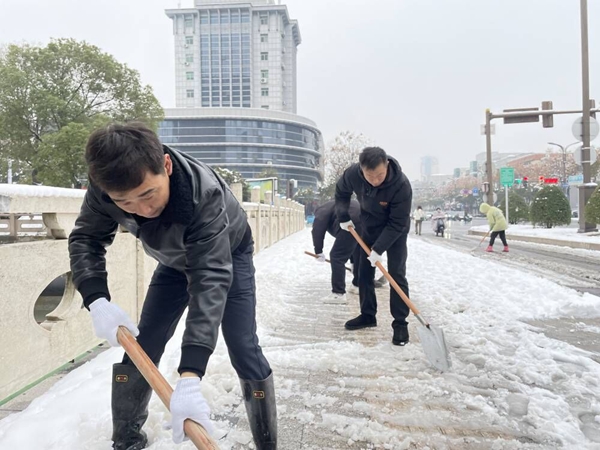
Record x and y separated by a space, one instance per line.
525 178
541 179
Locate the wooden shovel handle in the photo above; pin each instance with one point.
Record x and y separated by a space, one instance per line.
316 256
483 238
163 389
385 273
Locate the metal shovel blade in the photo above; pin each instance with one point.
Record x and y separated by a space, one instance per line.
434 347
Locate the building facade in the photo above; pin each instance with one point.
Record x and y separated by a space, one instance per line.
247 140
230 53
429 166
235 83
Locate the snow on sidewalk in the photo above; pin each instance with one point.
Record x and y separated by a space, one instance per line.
558 233
510 387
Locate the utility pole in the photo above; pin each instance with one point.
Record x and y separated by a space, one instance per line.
587 188
488 152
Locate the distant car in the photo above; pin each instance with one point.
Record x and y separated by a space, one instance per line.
575 213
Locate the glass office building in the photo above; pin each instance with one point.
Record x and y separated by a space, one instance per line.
235 91
248 141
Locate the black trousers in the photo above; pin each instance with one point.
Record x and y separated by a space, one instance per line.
396 259
345 247
167 299
495 234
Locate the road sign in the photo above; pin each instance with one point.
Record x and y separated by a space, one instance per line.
492 131
575 180
578 129
475 191
522 119
577 155
507 176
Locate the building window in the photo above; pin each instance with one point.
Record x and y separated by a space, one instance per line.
264 19
265 106
189 40
264 56
189 93
189 75
264 38
189 58
264 76
188 22
264 92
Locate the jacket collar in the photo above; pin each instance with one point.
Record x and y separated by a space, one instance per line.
180 208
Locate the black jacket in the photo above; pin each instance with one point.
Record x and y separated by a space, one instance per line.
385 210
197 232
326 221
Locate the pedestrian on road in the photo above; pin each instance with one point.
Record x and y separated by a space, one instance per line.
419 216
497 223
345 247
189 221
385 197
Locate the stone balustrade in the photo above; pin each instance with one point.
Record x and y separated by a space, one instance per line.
30 349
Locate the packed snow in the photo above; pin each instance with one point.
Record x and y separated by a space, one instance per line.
38 191
559 233
508 382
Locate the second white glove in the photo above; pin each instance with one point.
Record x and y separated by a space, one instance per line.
375 257
321 257
345 225
107 317
187 402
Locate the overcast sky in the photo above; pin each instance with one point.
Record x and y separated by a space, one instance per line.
414 75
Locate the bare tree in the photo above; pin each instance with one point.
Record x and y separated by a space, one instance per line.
343 152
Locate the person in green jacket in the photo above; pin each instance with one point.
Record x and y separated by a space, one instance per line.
497 223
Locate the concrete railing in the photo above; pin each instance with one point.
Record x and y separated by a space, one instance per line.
30 349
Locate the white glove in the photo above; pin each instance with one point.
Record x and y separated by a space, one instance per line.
321 257
107 317
374 257
187 402
345 225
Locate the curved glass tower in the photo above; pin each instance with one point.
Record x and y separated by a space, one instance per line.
248 141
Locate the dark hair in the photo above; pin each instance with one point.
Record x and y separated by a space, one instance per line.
419 207
371 157
119 156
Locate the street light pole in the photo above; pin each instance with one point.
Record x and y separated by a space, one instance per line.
564 151
587 188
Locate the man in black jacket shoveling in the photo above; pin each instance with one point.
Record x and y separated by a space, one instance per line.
385 197
189 221
344 247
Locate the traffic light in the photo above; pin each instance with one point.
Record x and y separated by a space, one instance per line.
547 121
525 181
541 179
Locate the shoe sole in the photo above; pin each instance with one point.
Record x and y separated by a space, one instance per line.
400 343
360 327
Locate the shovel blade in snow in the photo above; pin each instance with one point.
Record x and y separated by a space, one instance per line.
434 347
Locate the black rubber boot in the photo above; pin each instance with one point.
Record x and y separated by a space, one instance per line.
259 398
400 335
362 321
130 397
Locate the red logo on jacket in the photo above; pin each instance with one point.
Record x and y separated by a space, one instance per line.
384 204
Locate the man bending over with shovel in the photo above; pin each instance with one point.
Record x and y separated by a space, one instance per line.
189 221
385 197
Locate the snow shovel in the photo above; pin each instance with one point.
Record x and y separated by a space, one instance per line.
481 241
163 389
316 256
432 337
